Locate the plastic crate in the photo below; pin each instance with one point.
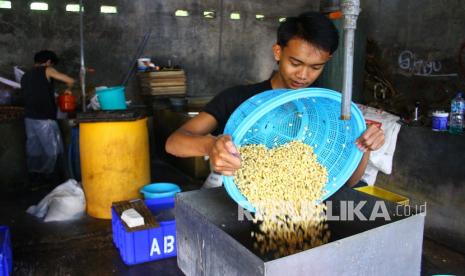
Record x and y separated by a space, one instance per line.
149 244
384 194
6 261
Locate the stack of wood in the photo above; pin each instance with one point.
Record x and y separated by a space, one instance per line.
163 83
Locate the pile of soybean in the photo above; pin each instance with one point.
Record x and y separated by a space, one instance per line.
285 185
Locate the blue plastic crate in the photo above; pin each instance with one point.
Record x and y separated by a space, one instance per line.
6 260
149 244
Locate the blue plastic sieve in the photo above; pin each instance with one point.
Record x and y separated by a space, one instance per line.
310 115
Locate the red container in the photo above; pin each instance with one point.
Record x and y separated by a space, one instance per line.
67 102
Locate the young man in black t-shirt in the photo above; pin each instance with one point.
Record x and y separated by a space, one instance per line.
305 44
44 145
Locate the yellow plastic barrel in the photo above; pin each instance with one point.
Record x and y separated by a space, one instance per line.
115 163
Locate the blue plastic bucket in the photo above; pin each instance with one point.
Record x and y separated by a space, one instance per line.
6 255
160 190
74 161
111 98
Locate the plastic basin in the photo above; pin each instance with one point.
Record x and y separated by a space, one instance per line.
111 98
160 190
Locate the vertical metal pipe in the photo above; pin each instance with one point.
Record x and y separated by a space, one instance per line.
350 9
82 73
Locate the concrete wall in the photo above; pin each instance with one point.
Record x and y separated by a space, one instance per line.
428 168
419 43
216 53
418 46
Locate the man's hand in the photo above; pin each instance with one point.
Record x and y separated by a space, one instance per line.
372 139
224 156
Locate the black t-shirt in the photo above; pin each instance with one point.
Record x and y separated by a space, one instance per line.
223 105
39 98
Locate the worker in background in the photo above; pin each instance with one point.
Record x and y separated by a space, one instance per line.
44 145
304 45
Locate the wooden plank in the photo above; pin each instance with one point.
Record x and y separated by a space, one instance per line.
172 88
142 209
164 85
158 74
161 85
181 90
174 83
164 93
163 78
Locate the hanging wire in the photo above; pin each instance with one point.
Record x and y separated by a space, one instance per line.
82 73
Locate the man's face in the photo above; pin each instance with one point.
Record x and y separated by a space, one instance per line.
300 64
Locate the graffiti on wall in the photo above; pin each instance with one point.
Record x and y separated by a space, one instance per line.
410 64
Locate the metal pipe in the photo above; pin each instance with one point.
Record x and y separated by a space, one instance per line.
82 73
350 9
138 54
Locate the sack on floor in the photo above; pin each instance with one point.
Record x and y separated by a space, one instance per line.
65 202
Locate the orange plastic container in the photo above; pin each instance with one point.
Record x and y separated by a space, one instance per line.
67 102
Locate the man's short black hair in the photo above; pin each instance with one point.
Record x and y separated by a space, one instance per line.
313 27
44 55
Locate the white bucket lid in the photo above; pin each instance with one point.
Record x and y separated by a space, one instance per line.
440 114
143 61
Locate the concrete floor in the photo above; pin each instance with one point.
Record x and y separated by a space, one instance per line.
85 247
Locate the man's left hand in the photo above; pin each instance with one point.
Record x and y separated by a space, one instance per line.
372 139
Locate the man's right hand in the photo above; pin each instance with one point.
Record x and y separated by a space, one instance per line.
194 139
224 156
